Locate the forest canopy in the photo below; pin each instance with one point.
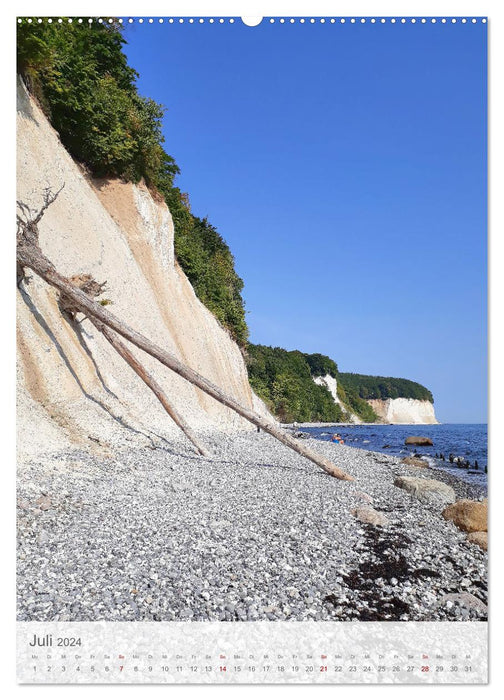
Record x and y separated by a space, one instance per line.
370 387
283 379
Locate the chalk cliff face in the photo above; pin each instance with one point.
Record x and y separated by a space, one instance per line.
332 384
73 389
404 410
389 411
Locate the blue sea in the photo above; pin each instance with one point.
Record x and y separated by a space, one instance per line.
461 440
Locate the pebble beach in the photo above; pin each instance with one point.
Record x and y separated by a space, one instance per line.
257 532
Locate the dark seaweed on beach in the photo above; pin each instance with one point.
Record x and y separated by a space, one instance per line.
386 562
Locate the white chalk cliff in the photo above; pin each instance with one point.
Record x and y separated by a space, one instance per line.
73 389
402 410
331 384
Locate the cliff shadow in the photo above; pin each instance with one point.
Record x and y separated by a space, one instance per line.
42 323
23 102
80 333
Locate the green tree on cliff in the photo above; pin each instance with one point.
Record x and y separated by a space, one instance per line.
80 75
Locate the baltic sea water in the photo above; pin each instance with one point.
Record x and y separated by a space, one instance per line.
468 441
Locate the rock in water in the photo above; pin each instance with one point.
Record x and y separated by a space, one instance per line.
416 440
428 491
415 462
367 514
470 516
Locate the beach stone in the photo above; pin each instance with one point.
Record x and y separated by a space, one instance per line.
463 600
44 502
364 496
367 514
428 491
415 462
417 440
470 516
178 568
479 538
43 537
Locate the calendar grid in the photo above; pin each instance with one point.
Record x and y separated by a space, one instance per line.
261 652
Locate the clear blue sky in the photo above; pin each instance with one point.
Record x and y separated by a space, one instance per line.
345 165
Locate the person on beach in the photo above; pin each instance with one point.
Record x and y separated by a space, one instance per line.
337 439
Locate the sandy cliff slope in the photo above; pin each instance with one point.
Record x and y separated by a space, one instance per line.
72 387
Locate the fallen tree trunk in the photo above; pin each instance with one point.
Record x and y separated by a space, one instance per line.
149 380
29 255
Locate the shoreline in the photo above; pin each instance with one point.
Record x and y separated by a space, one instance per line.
351 425
452 445
255 533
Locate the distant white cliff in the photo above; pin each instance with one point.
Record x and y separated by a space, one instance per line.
404 410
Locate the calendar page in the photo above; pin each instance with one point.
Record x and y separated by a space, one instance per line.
251 350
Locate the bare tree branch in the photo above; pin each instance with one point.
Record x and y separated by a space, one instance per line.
49 198
149 380
28 221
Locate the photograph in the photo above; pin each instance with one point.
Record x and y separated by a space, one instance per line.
251 264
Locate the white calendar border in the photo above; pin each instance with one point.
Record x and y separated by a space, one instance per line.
496 219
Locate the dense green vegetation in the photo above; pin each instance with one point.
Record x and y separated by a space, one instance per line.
80 76
355 404
369 387
284 381
320 365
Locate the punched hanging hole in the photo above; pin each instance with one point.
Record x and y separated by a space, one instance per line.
252 21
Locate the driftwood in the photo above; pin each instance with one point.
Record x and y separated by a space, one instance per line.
30 255
149 380
88 285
